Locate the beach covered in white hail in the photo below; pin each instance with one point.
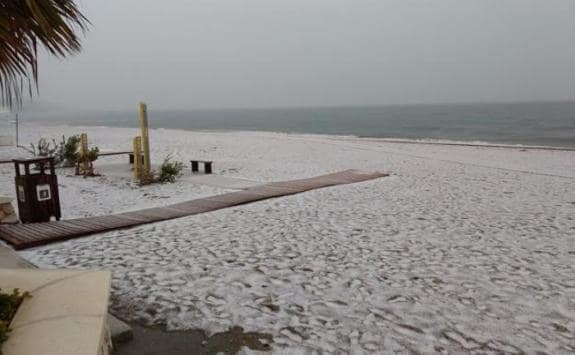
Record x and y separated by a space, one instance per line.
461 249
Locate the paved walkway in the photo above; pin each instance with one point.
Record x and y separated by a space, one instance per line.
22 236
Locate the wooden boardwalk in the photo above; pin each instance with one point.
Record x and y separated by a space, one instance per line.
22 236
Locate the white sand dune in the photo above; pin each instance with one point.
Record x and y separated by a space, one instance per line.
462 249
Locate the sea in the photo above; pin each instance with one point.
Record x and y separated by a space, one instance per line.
534 123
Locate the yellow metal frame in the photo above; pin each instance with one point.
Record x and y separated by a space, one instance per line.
145 140
137 143
84 151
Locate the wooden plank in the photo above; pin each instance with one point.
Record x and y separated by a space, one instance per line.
198 206
11 235
25 239
146 215
170 213
65 228
235 198
176 210
22 235
69 225
281 186
208 203
111 221
100 226
19 244
27 235
54 238
122 222
90 227
37 228
131 216
192 209
101 221
51 229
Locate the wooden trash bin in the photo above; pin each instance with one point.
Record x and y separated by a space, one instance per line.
37 190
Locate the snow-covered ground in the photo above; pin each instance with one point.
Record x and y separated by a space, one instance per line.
461 249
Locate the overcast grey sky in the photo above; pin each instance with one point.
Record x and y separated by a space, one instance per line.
182 54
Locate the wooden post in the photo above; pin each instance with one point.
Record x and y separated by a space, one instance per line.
137 142
145 140
84 153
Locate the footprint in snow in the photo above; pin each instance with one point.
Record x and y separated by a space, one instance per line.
215 300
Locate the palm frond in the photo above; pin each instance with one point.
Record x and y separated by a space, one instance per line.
23 25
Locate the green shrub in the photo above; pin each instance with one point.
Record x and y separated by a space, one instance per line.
9 303
170 170
69 150
44 149
65 153
90 156
84 162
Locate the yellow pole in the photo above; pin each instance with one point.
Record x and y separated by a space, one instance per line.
84 152
137 143
145 139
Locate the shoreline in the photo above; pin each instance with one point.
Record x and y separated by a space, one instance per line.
420 141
